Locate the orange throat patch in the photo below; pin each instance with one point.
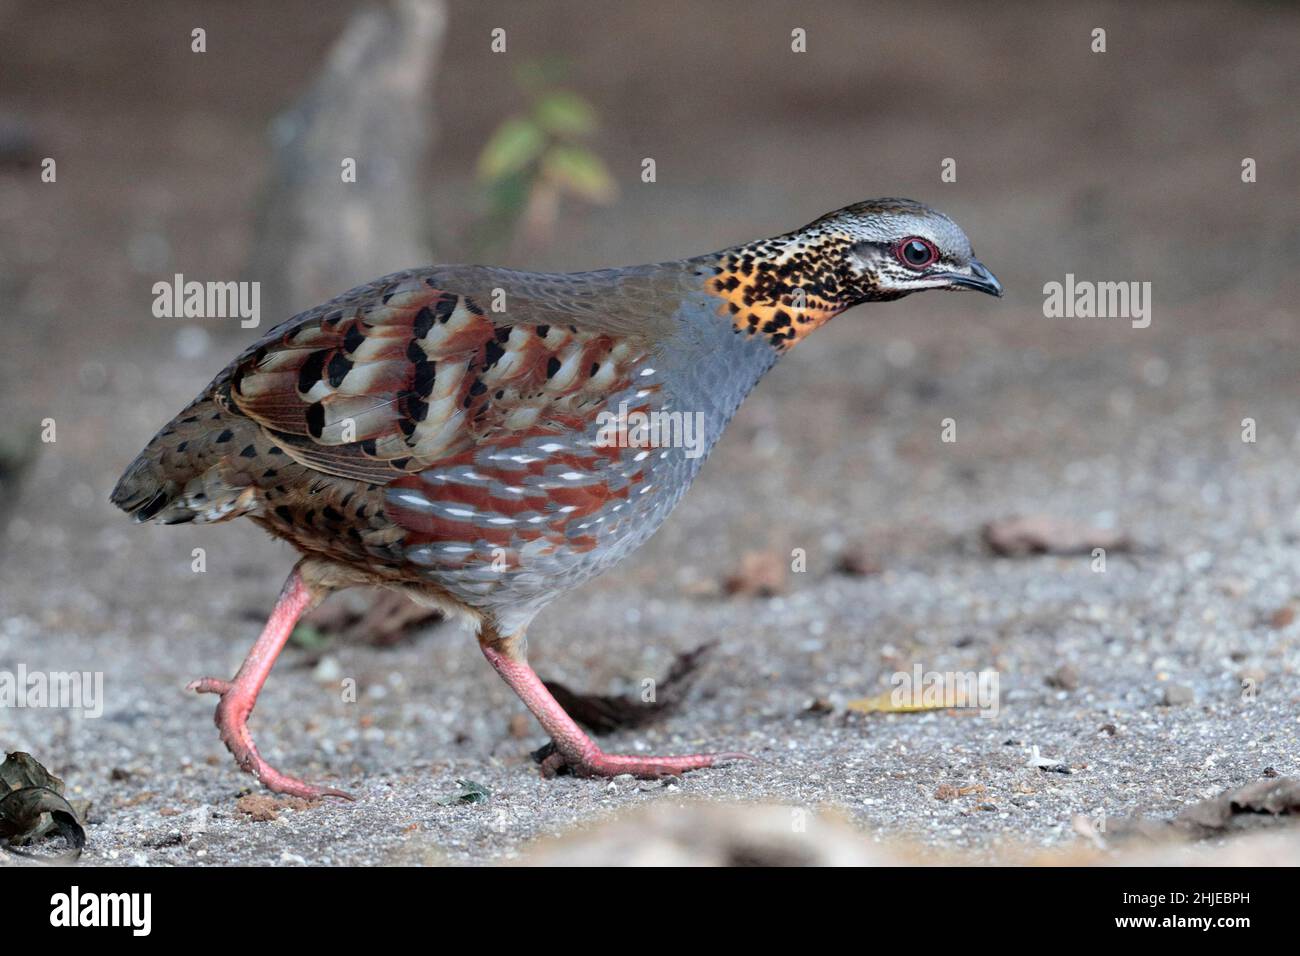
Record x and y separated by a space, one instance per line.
781 288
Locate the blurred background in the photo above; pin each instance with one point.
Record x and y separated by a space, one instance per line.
1117 166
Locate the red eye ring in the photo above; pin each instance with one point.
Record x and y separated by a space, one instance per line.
915 252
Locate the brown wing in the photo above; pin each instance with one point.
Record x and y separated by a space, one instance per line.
400 375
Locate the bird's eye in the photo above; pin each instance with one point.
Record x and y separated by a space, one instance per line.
915 252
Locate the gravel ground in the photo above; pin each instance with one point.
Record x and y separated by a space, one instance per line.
1135 431
1194 607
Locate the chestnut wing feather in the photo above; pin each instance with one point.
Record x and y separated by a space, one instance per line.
399 375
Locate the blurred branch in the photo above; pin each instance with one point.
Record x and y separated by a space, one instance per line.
372 102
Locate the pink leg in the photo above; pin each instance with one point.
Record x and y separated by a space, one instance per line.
575 749
239 695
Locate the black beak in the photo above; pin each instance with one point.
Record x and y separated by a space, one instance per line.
980 279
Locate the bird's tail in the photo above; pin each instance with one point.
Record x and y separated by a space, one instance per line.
184 474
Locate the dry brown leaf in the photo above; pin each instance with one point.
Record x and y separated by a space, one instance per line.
1282 617
884 704
761 574
1019 536
857 562
263 807
1237 809
603 713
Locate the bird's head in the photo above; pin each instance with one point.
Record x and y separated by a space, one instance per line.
893 247
872 251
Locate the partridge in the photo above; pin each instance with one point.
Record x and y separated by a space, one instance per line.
483 439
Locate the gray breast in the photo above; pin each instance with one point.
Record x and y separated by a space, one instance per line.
653 437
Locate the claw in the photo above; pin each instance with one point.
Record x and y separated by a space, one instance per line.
601 764
209 685
231 719
239 695
572 749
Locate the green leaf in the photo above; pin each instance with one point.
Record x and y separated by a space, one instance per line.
580 172
515 144
539 73
565 114
470 792
310 637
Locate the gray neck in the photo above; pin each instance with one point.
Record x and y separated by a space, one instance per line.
709 367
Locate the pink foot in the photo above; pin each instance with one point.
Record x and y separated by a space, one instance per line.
572 749
596 763
239 695
232 720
